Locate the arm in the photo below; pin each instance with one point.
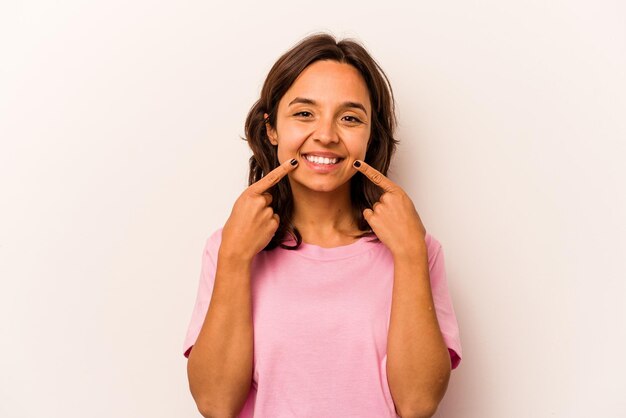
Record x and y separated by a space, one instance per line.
418 361
220 364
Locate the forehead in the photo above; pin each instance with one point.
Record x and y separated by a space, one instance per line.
329 83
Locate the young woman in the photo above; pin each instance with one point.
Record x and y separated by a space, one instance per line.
323 295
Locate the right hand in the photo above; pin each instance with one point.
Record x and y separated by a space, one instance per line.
252 222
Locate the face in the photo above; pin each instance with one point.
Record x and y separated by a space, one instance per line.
323 121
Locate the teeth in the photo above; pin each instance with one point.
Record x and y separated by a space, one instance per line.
321 160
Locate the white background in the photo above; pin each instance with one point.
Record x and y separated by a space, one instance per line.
120 153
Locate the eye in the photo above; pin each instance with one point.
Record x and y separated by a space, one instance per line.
304 113
353 119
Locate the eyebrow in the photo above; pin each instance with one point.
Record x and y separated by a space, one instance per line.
304 100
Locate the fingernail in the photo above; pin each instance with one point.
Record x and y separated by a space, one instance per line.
357 164
294 161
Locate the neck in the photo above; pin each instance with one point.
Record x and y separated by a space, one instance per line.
324 218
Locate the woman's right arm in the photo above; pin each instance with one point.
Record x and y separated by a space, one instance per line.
220 364
219 367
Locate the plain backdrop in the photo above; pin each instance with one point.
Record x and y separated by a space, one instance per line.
120 125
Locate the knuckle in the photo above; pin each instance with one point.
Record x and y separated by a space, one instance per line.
244 198
250 193
272 178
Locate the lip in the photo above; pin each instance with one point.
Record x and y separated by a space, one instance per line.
323 168
323 154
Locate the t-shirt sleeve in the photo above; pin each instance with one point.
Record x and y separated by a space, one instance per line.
205 290
443 301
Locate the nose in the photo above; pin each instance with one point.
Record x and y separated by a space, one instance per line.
325 131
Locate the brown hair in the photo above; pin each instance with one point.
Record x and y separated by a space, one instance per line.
381 145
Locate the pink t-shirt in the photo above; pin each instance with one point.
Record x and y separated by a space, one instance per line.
321 317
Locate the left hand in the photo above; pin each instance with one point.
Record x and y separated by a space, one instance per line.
393 218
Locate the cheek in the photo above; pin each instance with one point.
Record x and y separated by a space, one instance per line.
357 146
291 140
288 149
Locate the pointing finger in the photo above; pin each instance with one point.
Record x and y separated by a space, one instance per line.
268 198
273 177
375 176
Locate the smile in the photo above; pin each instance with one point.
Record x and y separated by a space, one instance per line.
322 165
322 160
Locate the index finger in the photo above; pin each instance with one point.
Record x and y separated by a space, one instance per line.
273 177
375 176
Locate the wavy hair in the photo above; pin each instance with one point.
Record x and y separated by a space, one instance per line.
381 147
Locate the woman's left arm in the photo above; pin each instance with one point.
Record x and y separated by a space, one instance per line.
418 361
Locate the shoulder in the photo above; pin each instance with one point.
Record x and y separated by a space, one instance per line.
434 247
213 241
216 235
431 241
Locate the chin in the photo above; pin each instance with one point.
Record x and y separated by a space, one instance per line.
322 186
323 189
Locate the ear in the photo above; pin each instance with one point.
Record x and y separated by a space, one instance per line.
271 132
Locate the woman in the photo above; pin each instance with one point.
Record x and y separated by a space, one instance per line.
322 295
